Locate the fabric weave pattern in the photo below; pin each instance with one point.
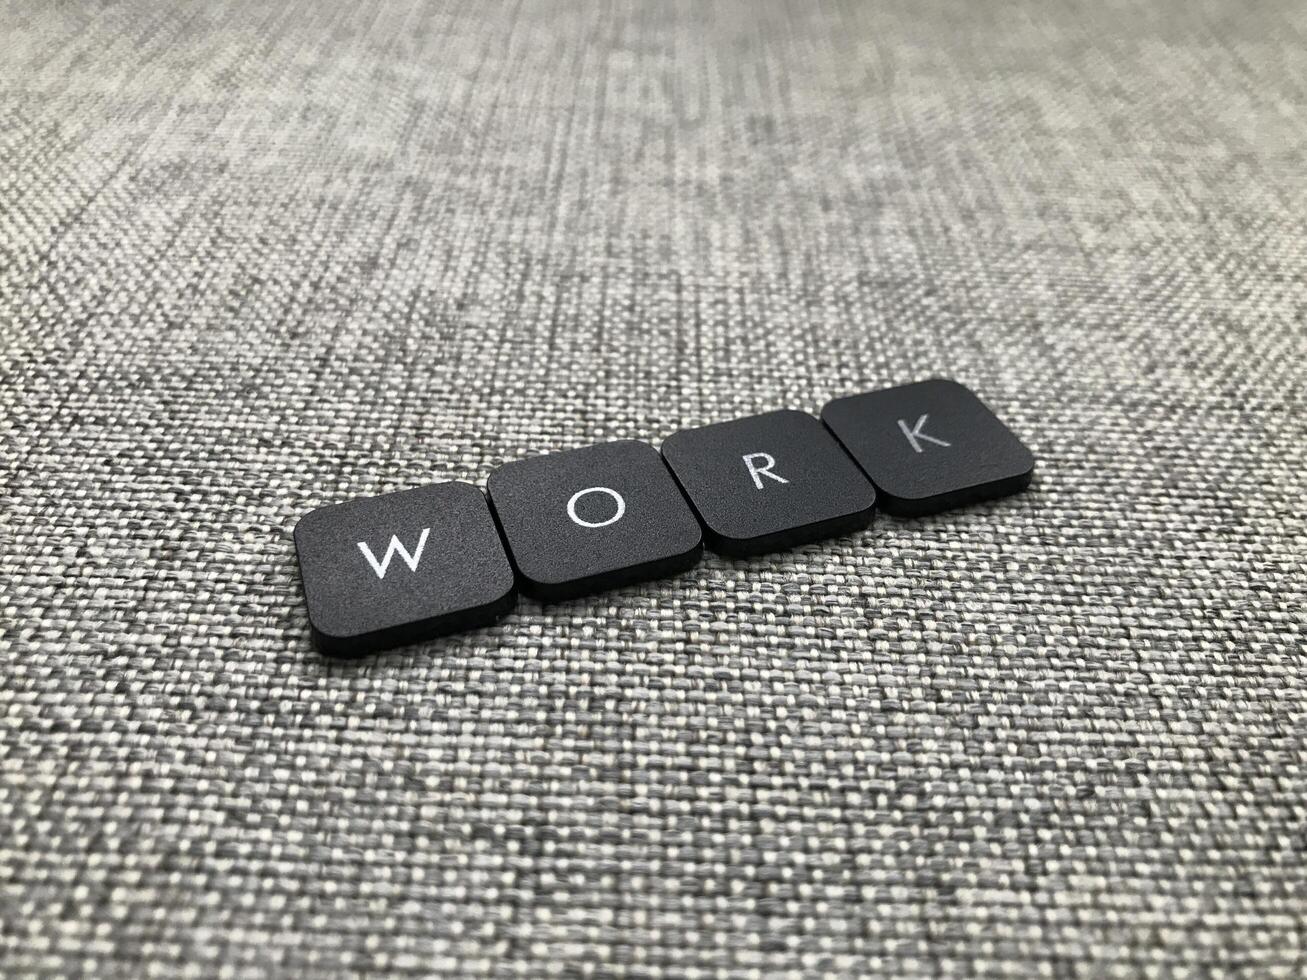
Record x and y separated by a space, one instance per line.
257 258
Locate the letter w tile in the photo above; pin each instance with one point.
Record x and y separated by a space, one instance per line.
411 560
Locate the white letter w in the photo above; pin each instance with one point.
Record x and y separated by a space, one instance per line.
410 560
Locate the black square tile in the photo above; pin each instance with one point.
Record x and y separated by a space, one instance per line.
594 518
769 481
930 446
383 571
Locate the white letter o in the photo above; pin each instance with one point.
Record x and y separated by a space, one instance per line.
621 507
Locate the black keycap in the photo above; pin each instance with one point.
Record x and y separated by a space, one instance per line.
930 446
592 519
769 481
383 571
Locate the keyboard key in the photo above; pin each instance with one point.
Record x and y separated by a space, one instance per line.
768 482
383 571
591 519
930 446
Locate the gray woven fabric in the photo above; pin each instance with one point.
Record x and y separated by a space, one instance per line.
258 258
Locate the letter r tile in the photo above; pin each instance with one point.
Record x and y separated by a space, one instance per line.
401 567
929 446
591 519
769 481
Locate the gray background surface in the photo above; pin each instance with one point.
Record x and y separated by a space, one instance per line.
255 258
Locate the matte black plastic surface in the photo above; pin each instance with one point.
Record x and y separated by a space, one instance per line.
383 571
769 481
592 519
930 446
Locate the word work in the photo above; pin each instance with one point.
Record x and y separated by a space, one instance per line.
393 569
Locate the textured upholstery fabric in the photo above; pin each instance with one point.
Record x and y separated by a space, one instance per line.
256 258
